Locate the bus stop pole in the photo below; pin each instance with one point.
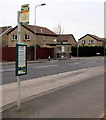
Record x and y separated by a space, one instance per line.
18 94
18 77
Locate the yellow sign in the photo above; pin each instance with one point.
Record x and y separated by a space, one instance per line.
24 14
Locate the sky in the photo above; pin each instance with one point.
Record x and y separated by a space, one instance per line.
77 17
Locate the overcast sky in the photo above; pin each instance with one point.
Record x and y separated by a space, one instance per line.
77 17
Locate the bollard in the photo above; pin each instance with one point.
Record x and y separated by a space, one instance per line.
49 58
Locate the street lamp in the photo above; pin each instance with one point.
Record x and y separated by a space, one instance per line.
35 30
78 49
55 49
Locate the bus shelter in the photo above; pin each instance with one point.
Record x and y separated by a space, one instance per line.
61 50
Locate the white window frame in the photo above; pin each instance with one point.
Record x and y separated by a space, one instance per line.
14 37
91 41
27 37
83 41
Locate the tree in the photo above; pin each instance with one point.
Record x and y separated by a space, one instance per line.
58 30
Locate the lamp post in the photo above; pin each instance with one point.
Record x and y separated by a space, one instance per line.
78 49
55 52
35 30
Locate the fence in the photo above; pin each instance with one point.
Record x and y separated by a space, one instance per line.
9 53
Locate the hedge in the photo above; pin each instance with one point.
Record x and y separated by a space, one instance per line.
88 50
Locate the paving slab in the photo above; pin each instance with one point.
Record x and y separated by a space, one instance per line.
39 86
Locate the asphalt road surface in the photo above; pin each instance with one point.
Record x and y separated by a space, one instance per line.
50 68
81 100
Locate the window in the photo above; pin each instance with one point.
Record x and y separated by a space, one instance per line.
83 41
91 41
14 37
26 37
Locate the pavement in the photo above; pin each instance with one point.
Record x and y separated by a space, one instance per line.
34 61
39 86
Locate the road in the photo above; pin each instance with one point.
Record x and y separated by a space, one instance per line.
50 68
84 99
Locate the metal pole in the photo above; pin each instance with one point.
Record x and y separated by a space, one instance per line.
19 28
35 36
78 50
35 31
104 50
18 77
18 94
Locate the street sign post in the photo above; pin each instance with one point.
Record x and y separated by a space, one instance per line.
21 50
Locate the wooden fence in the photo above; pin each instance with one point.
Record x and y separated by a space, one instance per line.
9 53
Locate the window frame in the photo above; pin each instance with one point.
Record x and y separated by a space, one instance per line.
83 41
91 41
27 37
14 37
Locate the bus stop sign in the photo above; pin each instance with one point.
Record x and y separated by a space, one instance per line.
21 59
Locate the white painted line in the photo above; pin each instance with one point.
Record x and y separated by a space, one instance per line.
76 63
10 70
46 66
91 61
7 70
1 70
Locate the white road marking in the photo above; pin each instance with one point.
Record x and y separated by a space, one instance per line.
76 63
1 70
46 66
7 70
91 61
85 63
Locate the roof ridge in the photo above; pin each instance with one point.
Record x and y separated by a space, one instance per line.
36 26
65 34
93 36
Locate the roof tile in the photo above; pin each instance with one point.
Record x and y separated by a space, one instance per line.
3 29
40 30
65 37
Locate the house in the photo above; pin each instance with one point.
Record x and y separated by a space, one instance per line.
91 40
43 36
3 35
